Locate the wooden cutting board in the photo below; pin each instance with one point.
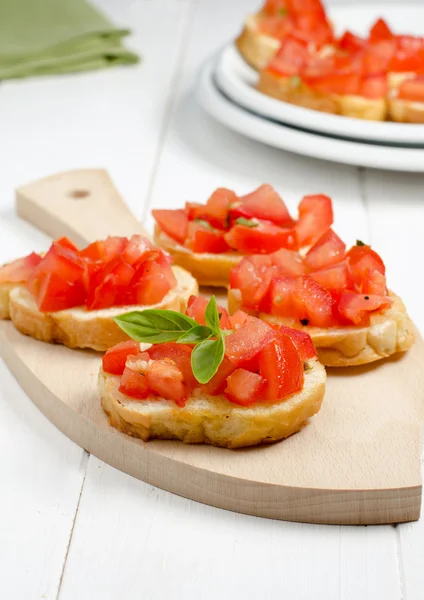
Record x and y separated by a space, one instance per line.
356 462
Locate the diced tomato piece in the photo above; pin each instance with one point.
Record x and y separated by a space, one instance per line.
343 83
351 42
196 308
374 283
203 239
248 340
218 382
180 354
115 358
315 217
263 238
328 250
150 283
280 300
105 250
356 307
252 276
194 210
277 26
20 269
109 286
173 222
266 204
380 31
374 87
218 206
313 302
290 58
335 277
412 89
361 260
280 364
134 385
136 246
238 319
134 360
302 341
288 262
65 242
409 55
165 379
274 7
244 387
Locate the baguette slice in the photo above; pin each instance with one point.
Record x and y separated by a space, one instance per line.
213 419
389 332
406 111
256 48
208 269
301 94
77 327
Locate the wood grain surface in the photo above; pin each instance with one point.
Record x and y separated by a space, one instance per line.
338 470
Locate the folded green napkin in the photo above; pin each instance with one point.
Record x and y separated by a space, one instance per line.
44 37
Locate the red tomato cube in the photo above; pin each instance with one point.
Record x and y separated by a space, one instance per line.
19 270
115 358
282 367
173 222
328 250
266 204
165 379
357 307
263 238
244 387
134 385
315 217
247 341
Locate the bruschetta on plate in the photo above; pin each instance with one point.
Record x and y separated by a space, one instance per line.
71 296
210 239
228 381
339 297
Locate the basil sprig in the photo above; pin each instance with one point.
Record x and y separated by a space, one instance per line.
159 326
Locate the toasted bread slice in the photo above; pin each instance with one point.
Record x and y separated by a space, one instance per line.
389 332
406 111
213 419
295 91
77 327
256 48
208 269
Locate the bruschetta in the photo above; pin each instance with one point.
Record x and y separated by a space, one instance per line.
210 239
265 386
340 298
264 31
71 296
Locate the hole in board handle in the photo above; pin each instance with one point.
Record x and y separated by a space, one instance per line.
79 194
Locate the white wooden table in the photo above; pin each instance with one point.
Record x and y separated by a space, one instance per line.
73 528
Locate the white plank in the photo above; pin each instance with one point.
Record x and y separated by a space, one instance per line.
396 207
139 538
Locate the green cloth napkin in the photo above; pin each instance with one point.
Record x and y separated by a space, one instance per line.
44 37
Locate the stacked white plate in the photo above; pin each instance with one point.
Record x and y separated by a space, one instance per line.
226 89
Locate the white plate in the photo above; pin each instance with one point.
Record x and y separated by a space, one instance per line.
237 80
301 142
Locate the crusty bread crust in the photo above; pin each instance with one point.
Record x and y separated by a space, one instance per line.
389 332
212 419
79 328
256 48
301 94
406 111
5 289
208 269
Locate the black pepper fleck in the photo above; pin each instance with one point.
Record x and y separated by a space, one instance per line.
366 297
304 321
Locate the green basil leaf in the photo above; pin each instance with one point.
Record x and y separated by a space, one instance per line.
246 222
195 335
282 11
203 223
206 358
155 326
359 243
212 315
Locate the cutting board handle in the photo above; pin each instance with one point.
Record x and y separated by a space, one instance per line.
83 205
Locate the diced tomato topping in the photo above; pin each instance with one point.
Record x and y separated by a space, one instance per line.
247 341
291 57
180 354
351 42
173 222
108 286
134 385
165 379
252 276
275 7
206 239
328 250
19 270
105 250
134 360
302 341
373 87
151 282
313 303
361 260
262 238
196 308
380 31
374 283
136 246
280 299
280 364
244 387
335 277
219 381
264 203
356 307
288 262
238 319
65 242
218 206
115 358
315 217
412 89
